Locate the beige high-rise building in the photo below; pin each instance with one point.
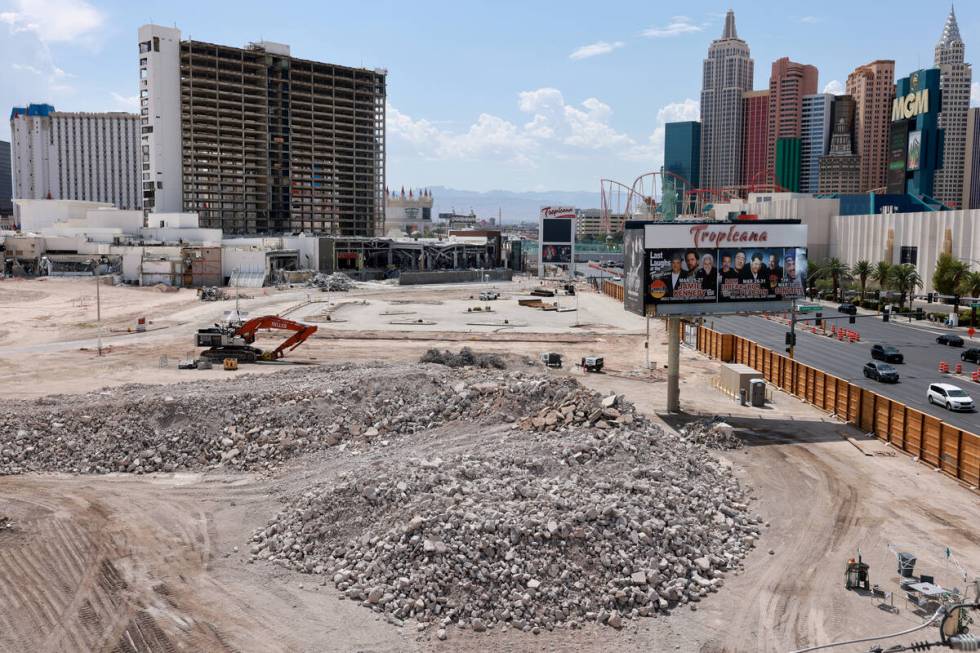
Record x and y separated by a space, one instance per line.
954 81
873 88
788 83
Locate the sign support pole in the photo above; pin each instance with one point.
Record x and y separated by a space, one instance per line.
648 342
792 330
673 364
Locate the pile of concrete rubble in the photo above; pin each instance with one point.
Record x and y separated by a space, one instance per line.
713 434
258 422
599 525
211 294
336 282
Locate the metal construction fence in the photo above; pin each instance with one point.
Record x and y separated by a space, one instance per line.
954 451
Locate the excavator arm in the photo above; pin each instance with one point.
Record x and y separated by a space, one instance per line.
248 330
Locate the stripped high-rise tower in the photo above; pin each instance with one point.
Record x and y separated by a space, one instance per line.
727 74
954 81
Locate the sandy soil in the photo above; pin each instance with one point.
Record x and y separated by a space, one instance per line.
149 563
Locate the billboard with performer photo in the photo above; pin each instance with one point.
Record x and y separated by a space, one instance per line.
556 253
681 275
718 267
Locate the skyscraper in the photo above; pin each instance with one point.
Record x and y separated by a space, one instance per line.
815 138
788 84
755 137
682 150
840 170
873 88
257 141
971 168
727 73
954 81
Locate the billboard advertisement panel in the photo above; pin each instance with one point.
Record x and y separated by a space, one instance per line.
679 275
915 150
556 237
722 267
762 273
635 267
556 253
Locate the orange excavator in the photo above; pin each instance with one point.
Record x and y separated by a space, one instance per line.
235 339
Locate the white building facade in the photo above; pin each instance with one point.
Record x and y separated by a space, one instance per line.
76 156
160 144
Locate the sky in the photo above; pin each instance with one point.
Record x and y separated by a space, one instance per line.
483 95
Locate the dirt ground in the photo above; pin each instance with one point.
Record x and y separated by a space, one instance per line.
159 563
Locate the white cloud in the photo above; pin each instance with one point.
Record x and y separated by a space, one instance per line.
555 130
678 25
810 20
54 21
975 94
835 87
27 68
595 49
653 150
126 101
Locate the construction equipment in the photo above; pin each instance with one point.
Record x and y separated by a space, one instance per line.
234 339
569 288
551 359
856 574
592 363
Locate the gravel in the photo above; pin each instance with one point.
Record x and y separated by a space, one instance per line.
713 434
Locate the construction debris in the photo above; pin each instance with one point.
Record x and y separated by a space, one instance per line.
465 358
336 282
613 521
211 294
713 434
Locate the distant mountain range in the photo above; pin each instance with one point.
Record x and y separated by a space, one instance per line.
513 206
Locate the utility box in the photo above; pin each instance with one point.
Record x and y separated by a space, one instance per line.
757 392
734 378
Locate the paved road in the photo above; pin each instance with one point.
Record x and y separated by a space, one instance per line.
845 360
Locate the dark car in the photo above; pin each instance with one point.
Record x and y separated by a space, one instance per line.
880 372
950 340
850 309
971 356
887 353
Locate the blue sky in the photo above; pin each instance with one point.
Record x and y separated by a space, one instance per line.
481 94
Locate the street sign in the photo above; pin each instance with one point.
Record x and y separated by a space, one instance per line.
808 308
975 305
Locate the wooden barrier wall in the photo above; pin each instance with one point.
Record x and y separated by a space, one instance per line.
613 289
955 451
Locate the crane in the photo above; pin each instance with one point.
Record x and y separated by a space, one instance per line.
234 340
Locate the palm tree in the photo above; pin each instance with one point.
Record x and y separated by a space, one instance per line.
970 284
880 274
948 274
814 272
837 271
862 270
904 278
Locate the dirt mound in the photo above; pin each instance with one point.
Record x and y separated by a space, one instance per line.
465 358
